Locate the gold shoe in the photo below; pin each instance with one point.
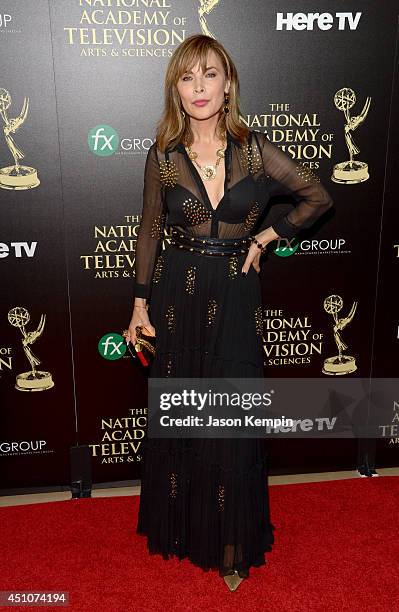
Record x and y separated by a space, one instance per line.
233 580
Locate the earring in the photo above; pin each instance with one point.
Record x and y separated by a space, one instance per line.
226 101
183 113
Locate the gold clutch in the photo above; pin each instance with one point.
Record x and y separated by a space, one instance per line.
144 346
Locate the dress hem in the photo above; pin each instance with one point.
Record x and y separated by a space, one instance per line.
170 555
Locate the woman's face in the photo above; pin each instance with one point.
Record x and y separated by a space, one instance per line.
211 86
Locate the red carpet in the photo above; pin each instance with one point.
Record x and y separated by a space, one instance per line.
337 548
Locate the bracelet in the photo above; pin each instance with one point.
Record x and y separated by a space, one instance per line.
138 306
258 244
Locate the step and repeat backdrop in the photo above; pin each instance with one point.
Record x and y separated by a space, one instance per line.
81 89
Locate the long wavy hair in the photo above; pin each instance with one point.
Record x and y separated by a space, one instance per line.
172 126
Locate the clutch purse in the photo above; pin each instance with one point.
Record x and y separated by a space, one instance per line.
144 346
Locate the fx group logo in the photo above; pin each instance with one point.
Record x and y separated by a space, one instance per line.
331 246
286 248
103 140
112 346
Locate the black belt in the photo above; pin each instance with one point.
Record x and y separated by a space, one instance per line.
209 246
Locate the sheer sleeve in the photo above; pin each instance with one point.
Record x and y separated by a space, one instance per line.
312 198
151 230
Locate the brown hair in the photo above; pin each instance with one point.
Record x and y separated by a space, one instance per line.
173 127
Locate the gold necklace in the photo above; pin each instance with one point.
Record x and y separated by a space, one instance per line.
209 171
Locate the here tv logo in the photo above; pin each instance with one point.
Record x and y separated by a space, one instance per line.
317 21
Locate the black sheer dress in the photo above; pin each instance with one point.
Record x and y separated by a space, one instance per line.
207 499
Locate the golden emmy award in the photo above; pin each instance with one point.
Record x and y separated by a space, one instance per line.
339 364
17 176
34 380
206 7
351 171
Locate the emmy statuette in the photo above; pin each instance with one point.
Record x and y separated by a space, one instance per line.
33 380
339 364
15 177
351 171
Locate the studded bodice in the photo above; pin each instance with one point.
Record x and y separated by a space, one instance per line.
175 195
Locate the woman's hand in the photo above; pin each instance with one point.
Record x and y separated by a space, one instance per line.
139 317
254 252
256 261
253 258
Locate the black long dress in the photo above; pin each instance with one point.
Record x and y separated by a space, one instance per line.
207 499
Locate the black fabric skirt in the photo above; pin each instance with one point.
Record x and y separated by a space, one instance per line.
206 499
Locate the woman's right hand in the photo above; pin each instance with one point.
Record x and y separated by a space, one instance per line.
139 317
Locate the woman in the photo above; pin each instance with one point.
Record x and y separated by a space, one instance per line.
209 177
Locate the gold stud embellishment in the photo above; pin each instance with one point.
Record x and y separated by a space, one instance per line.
190 279
233 264
221 497
171 317
212 308
250 158
305 173
169 367
168 172
158 225
258 320
173 485
195 212
252 216
158 269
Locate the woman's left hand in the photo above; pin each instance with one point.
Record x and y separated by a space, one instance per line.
253 258
254 252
